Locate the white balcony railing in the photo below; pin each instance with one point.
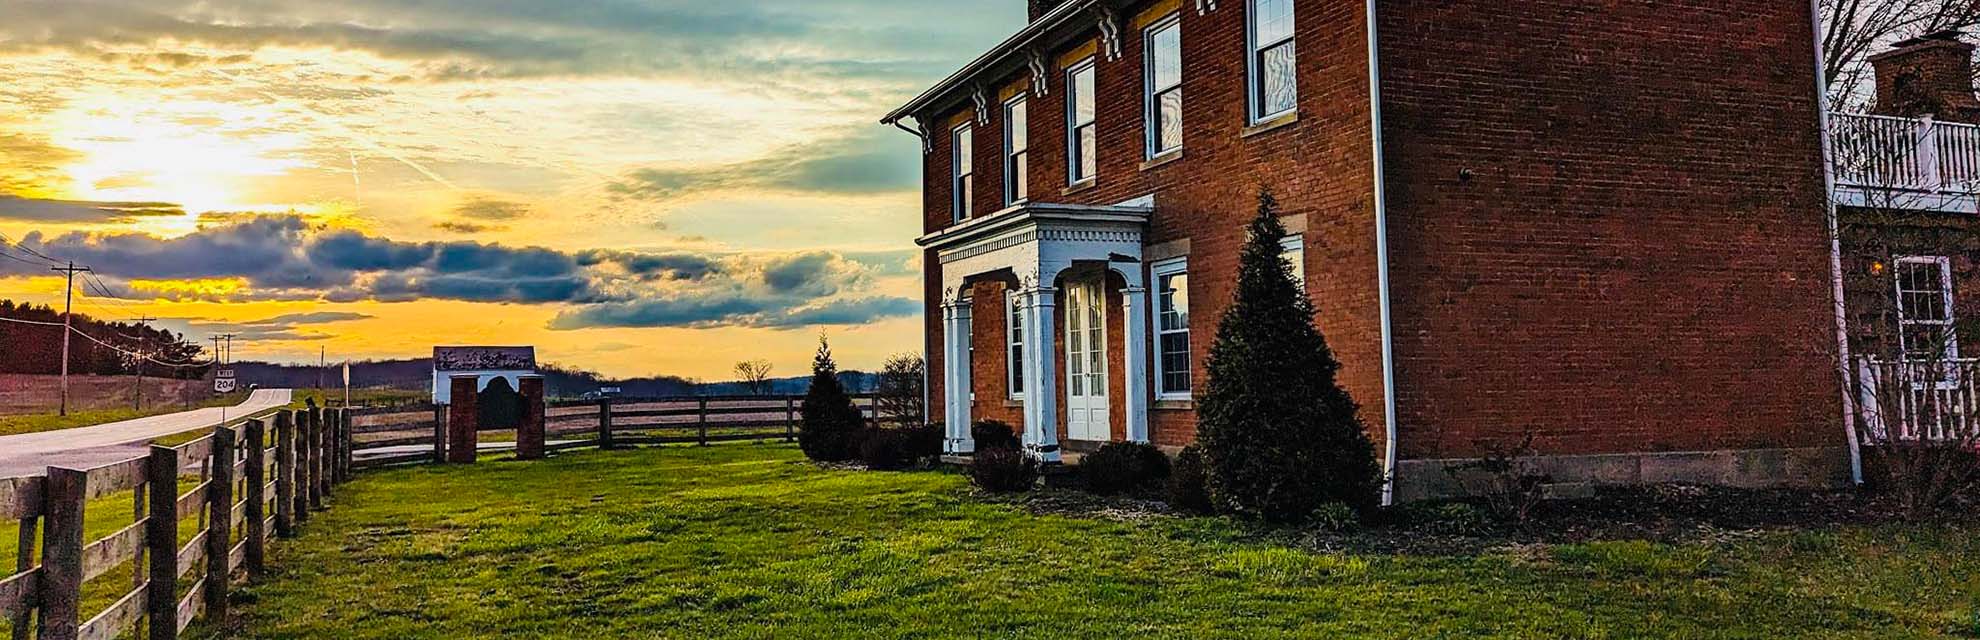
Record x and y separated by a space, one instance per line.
1909 401
1905 154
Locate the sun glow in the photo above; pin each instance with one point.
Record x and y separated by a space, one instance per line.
191 153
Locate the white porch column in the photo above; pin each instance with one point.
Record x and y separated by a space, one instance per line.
1041 388
1134 300
955 370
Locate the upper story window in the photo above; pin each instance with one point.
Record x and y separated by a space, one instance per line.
964 185
1172 378
1925 308
1017 152
1082 137
1274 89
1165 97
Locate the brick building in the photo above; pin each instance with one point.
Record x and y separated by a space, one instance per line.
1601 224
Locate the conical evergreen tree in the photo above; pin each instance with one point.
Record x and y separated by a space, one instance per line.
1279 436
831 427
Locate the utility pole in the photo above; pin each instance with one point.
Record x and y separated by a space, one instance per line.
217 360
68 299
229 337
322 353
137 402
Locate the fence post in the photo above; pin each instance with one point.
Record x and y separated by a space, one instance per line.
326 454
161 542
285 475
701 420
64 492
219 524
24 560
439 433
257 498
790 419
349 449
605 423
303 480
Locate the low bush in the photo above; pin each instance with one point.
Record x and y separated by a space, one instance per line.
992 434
1187 489
1003 470
886 449
1455 518
1507 479
924 442
1124 466
1336 517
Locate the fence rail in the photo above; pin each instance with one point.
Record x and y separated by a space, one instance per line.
1909 401
238 508
1916 154
414 435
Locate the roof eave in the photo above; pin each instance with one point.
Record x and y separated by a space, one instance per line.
990 59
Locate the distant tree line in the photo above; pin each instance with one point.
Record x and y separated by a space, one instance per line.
34 349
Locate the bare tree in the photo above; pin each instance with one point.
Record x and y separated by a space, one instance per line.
1853 29
900 399
754 375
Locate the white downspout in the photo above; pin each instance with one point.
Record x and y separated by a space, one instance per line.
1835 250
1382 265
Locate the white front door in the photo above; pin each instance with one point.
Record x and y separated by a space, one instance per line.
1086 363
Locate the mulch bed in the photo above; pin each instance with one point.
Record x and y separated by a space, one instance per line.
1672 514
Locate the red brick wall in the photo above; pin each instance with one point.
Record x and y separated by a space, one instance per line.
1320 168
1638 262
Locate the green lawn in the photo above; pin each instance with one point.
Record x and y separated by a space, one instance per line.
749 541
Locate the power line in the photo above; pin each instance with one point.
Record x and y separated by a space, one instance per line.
32 322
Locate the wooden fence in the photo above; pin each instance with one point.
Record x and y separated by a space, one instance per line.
251 479
417 435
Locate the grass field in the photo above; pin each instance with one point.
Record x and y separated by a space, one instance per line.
15 425
749 541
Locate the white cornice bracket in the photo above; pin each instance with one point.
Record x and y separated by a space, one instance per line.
982 106
1110 32
1041 81
1204 7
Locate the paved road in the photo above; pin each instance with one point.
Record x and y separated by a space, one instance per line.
84 447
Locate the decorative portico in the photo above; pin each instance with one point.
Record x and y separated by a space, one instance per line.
1032 247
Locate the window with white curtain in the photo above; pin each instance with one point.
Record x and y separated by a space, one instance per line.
1273 68
964 186
1082 137
1017 152
1165 96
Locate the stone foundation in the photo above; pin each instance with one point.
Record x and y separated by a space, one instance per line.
1811 468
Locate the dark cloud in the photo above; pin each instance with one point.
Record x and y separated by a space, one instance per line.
285 258
465 227
870 161
284 328
39 210
487 209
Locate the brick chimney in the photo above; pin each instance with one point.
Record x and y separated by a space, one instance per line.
1932 75
1041 7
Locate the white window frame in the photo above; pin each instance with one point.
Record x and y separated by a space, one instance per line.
1295 246
1255 74
1014 177
1151 94
1073 157
1157 271
962 205
1944 265
1014 344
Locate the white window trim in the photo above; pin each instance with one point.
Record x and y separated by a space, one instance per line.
1151 112
1156 272
1072 124
962 207
1296 243
1010 166
1013 365
1944 265
1254 80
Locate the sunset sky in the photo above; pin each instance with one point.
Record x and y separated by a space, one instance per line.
633 186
